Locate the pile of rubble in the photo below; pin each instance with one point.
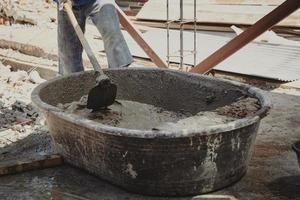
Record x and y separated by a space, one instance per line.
18 118
7 12
32 12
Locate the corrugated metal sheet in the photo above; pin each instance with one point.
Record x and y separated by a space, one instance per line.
280 62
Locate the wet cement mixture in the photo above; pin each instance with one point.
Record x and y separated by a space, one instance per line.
135 115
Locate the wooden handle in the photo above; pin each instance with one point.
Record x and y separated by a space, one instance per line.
82 39
247 36
137 36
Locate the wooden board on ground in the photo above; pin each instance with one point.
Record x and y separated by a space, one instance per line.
33 162
157 24
267 60
238 2
213 13
33 152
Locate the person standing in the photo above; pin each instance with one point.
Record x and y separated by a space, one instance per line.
104 16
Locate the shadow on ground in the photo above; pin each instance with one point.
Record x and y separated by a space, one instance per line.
286 187
39 142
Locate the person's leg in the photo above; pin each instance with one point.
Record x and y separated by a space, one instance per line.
107 22
69 46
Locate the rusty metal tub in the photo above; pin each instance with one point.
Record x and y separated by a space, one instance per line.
183 162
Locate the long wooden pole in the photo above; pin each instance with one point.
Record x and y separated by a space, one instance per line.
82 39
137 36
278 14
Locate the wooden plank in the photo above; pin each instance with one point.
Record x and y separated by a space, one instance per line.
137 36
148 25
46 72
247 36
213 13
156 24
269 60
27 164
238 2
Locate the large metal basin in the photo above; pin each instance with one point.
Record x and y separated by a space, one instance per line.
155 162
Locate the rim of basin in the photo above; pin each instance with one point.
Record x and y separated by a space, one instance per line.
239 123
296 147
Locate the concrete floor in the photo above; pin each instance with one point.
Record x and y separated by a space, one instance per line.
273 172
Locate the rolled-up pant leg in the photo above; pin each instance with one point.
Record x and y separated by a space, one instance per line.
69 46
107 22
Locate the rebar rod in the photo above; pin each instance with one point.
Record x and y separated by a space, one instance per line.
168 33
181 34
195 33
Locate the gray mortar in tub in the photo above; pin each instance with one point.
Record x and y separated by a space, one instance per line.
157 162
135 115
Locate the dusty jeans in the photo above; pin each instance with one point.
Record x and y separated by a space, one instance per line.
106 20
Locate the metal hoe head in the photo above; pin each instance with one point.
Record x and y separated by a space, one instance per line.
102 96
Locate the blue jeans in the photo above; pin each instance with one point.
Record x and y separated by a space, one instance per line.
106 20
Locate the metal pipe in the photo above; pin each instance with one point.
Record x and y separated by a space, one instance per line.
278 14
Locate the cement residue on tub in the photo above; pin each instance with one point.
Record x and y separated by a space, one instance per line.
200 120
135 115
241 108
